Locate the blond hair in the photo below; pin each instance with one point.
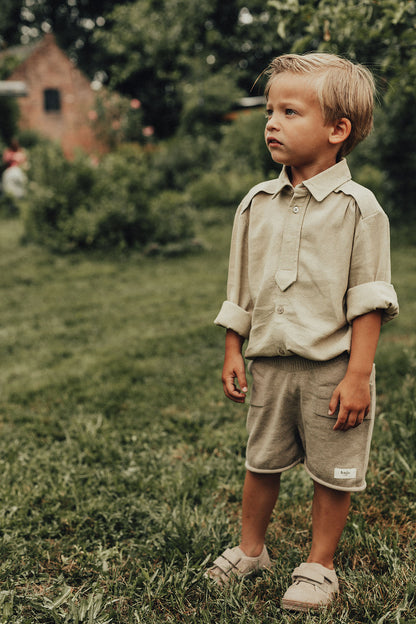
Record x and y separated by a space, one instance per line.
344 89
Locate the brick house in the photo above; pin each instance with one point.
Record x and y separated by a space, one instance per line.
60 98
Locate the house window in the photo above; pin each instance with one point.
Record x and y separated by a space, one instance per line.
51 100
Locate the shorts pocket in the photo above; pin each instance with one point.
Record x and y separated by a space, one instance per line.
321 406
260 390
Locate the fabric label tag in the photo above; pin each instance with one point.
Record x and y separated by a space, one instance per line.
345 473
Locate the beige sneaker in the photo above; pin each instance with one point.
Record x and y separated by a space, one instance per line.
234 562
314 586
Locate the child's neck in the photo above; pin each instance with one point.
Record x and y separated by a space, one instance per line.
297 176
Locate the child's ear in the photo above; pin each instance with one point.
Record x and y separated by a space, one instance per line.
341 130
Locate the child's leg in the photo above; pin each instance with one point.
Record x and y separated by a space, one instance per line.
315 583
259 498
329 515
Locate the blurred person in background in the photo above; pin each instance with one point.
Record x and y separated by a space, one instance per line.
14 178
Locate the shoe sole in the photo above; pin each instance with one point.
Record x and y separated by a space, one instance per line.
301 606
234 576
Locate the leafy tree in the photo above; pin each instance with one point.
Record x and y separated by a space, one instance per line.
9 115
378 33
148 48
72 21
10 16
162 51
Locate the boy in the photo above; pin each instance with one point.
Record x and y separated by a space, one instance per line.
309 287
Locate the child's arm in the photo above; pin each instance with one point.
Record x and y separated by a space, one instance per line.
353 393
234 368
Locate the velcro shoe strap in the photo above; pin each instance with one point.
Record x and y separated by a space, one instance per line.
309 575
228 560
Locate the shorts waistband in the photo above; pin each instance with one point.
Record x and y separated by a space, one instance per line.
297 363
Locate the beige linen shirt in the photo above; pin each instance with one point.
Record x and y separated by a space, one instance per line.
304 262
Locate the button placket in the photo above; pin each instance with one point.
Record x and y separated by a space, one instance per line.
286 274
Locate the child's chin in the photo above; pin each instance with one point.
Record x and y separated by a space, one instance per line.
278 160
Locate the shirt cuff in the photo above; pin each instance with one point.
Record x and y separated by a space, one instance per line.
233 317
372 296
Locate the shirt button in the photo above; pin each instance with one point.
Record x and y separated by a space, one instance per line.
295 209
280 309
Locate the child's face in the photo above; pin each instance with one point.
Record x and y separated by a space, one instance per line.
295 133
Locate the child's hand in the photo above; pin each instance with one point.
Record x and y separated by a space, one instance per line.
352 396
233 370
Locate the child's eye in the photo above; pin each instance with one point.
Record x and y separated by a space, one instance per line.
268 113
290 112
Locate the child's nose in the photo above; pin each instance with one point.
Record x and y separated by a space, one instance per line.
272 122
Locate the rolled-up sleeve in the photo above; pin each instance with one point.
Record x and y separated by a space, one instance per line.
233 317
370 285
372 296
236 311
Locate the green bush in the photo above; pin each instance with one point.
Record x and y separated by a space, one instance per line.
207 98
29 138
9 115
395 155
172 216
60 195
182 160
241 161
222 188
243 147
9 206
72 205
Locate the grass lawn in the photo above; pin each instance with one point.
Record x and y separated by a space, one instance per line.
122 463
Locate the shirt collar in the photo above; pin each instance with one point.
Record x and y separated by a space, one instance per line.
321 185
326 182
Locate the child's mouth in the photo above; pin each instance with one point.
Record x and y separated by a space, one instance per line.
272 141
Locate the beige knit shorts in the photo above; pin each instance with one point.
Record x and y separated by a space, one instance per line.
288 422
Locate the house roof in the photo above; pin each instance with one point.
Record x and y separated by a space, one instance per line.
19 52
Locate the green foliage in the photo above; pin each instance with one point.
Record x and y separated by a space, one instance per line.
147 49
8 64
241 160
116 119
9 206
378 34
30 138
243 148
173 217
72 22
207 99
395 155
222 188
182 159
9 17
214 172
72 205
168 53
9 115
